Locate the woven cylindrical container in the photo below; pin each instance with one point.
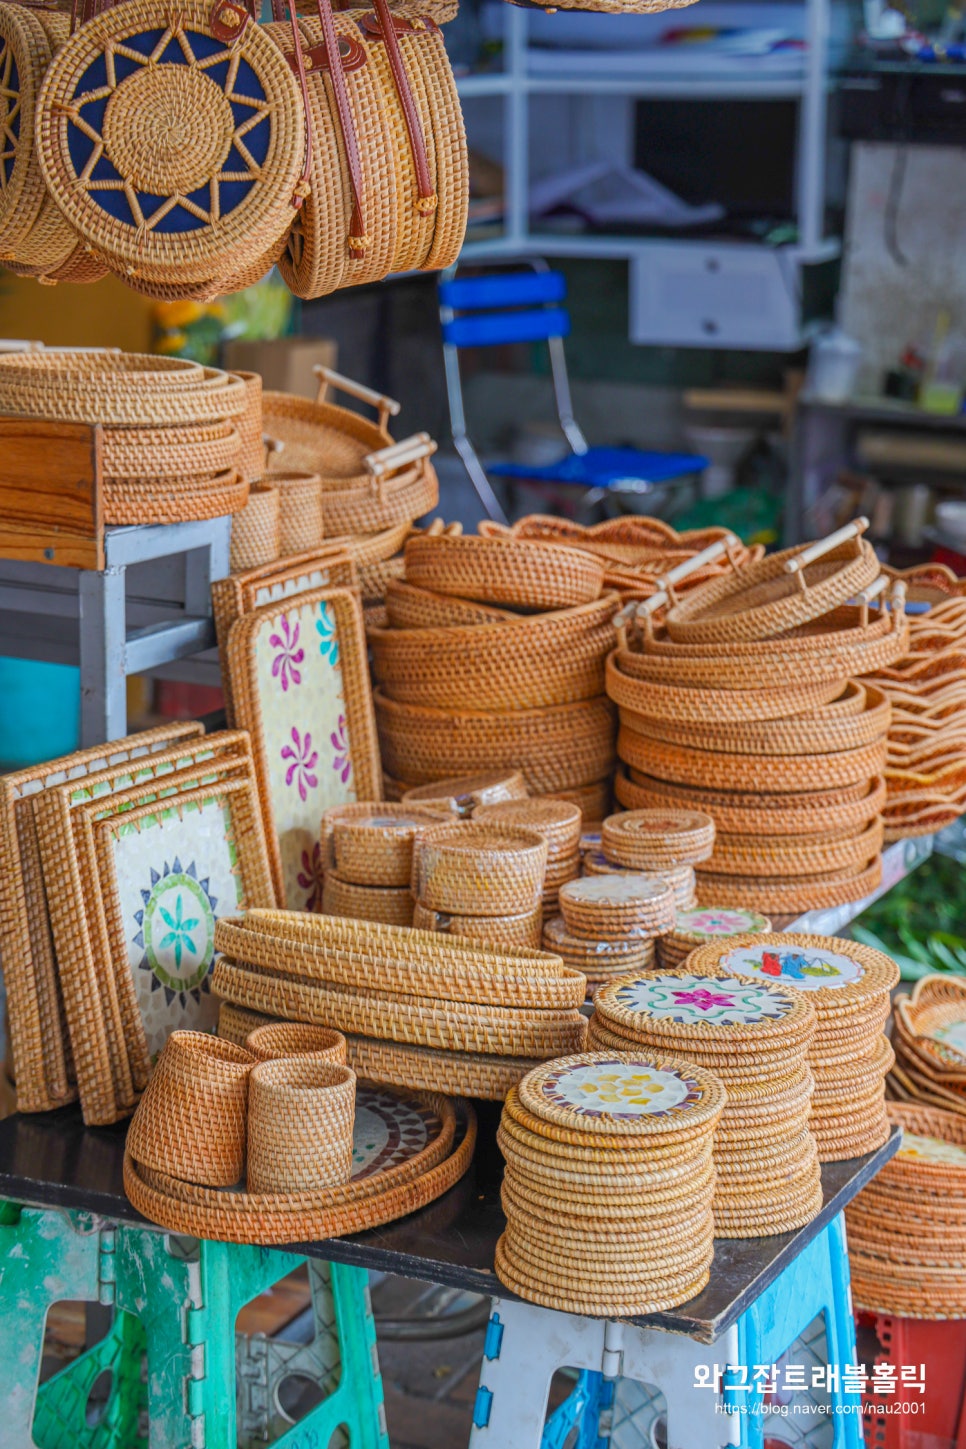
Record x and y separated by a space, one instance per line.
373 845
479 870
294 1039
300 1121
392 905
191 1120
255 535
251 462
299 512
461 795
523 930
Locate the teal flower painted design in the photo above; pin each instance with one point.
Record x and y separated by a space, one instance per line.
178 935
325 628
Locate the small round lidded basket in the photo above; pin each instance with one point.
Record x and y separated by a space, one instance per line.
300 1121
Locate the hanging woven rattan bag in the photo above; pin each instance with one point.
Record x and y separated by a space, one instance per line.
173 139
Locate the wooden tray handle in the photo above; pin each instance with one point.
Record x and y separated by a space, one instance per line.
386 407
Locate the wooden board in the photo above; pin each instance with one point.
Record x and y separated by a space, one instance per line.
50 501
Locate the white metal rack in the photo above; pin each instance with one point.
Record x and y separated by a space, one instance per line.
714 275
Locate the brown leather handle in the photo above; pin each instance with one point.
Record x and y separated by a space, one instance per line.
358 241
303 185
426 200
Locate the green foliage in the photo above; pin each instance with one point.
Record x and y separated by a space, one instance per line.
921 923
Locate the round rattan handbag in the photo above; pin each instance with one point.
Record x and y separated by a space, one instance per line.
174 146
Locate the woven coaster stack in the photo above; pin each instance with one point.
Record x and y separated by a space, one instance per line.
609 1183
418 1009
929 1037
740 704
666 844
756 1039
907 1229
924 775
170 447
463 794
490 655
848 986
704 925
367 859
480 880
609 923
560 825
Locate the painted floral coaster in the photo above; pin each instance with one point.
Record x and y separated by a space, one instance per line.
327 567
714 1009
42 1057
709 924
299 677
627 1094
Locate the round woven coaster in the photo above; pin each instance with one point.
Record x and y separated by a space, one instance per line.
627 954
617 905
623 1096
584 1262
756 1074
679 877
606 1198
835 1149
708 1012
674 1138
752 1161
665 1168
840 975
698 927
855 1081
785 1193
669 1235
649 839
739 1223
627 1304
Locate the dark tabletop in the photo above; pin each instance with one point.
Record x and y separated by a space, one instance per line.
53 1160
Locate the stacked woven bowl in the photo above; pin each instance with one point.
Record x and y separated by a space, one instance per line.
418 1009
925 776
929 1038
482 880
755 1038
608 924
907 1229
609 1182
491 655
848 987
367 859
170 447
785 754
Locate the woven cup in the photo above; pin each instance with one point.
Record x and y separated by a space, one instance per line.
300 1121
373 844
255 538
299 512
479 870
190 1122
295 1039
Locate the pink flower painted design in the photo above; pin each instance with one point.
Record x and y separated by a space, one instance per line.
304 760
310 877
702 998
284 665
342 761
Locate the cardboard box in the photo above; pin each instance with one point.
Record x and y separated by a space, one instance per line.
285 364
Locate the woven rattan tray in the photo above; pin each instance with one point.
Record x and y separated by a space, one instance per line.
508 572
300 685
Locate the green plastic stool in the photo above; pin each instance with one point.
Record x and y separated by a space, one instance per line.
181 1377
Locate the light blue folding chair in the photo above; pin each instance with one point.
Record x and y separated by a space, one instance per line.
528 306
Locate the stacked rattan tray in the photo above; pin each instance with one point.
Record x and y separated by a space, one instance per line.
929 1038
324 1156
170 447
755 1038
907 1229
422 1009
741 704
925 777
609 1183
490 656
848 986
367 860
481 879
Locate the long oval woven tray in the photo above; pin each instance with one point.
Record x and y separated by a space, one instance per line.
366 1201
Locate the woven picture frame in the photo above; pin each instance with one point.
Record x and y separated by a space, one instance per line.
299 678
42 1061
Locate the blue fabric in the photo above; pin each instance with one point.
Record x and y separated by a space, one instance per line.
178 220
491 329
509 289
605 467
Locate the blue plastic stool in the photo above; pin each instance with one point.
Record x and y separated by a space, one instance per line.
513 1385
